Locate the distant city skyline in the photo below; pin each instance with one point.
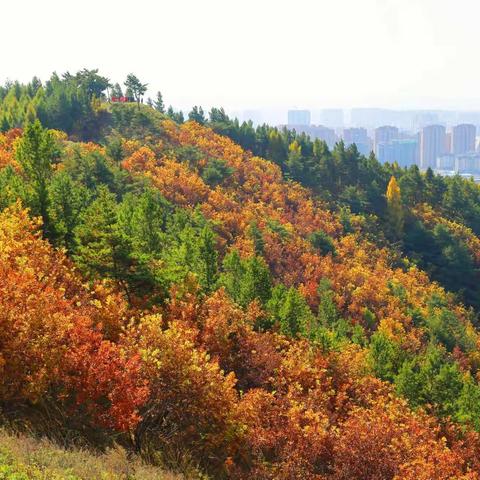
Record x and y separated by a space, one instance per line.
368 118
426 142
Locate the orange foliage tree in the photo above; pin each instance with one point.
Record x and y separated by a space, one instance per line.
52 344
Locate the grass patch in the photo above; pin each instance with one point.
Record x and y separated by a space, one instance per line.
27 458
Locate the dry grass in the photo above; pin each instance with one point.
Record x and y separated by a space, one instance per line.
26 457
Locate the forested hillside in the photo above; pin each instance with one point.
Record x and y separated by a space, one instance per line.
238 299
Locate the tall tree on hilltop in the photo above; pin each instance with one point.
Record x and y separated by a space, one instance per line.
175 116
158 103
137 88
93 83
197 115
117 91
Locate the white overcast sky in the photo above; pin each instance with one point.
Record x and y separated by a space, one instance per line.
257 53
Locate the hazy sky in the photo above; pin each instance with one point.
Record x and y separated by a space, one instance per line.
257 53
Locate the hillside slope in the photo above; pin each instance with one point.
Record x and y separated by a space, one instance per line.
180 296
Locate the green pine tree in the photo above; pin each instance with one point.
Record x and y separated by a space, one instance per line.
208 259
35 153
101 249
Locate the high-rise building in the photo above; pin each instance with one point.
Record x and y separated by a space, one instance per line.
384 134
467 163
446 162
401 151
462 163
432 145
354 135
448 142
322 133
298 117
359 137
384 152
463 138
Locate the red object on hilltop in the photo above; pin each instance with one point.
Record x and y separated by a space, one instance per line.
121 99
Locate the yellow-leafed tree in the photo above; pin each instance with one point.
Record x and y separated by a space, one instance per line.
395 207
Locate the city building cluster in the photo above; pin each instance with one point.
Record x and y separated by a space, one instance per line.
443 141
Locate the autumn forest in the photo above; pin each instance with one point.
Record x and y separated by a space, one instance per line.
231 301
